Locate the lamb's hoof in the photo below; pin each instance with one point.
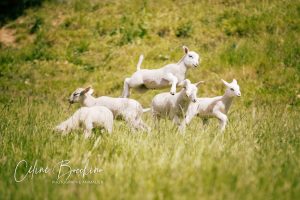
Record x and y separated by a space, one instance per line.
172 93
87 136
181 130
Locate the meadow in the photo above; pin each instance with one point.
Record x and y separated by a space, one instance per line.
50 50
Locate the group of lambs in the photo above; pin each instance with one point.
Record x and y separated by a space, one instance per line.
180 107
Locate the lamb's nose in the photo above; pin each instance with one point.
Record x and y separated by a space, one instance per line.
194 100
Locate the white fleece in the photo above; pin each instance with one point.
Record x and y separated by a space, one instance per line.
89 117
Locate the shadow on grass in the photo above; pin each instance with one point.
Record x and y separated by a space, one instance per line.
11 9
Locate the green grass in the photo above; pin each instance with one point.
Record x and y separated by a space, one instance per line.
61 46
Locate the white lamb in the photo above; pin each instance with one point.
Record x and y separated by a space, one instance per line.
175 106
214 107
89 117
128 109
171 74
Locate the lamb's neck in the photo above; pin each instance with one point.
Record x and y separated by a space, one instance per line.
182 66
182 98
227 100
89 101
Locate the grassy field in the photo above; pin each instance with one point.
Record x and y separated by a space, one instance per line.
50 50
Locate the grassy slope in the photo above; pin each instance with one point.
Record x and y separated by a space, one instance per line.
61 46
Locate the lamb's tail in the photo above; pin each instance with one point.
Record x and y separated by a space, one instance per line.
146 109
138 66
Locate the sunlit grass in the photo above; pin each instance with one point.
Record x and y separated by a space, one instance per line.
255 158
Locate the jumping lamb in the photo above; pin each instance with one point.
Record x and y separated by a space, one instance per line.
89 117
214 107
171 74
128 109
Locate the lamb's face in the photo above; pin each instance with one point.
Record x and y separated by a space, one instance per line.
75 96
191 91
191 59
233 89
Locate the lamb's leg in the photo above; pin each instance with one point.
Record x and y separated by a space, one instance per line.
131 121
88 129
87 133
144 126
190 114
182 127
126 88
173 80
223 124
66 132
139 120
176 120
156 119
109 127
223 120
188 119
135 124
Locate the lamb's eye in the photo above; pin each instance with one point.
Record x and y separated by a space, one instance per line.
190 56
231 89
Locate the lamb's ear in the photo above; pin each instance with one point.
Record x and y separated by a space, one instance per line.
199 83
85 90
186 82
225 83
234 81
91 91
186 50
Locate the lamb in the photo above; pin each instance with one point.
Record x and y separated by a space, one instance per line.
128 109
171 74
89 117
214 107
175 106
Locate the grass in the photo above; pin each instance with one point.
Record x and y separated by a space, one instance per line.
64 45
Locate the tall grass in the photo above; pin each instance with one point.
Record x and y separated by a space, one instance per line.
257 156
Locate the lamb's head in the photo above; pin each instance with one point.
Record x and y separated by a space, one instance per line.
233 89
191 58
191 89
79 94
